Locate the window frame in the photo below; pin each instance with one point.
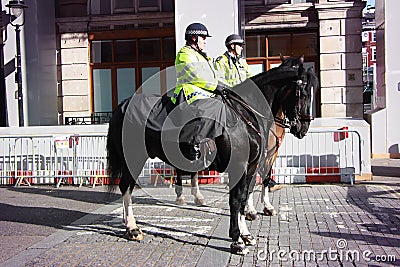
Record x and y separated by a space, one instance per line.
114 36
268 61
373 53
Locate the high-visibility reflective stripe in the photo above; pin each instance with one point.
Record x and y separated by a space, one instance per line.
195 75
233 72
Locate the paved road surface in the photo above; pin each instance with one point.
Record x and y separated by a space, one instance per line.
316 225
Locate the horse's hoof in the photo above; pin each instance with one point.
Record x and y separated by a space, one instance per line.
249 240
251 216
134 234
199 201
180 201
270 212
239 248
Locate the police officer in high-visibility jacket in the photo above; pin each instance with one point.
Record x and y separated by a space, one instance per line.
231 65
195 93
196 75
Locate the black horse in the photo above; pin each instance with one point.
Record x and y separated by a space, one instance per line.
279 117
239 148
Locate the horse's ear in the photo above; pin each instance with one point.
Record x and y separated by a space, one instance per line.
282 58
302 59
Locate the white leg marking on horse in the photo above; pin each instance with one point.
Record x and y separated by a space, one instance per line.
128 218
267 205
242 225
198 197
250 204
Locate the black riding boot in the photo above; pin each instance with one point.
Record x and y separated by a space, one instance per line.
191 152
195 152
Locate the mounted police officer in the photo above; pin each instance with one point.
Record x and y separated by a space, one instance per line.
194 95
235 70
231 64
196 76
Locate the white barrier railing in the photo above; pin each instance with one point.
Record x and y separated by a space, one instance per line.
78 159
26 159
329 153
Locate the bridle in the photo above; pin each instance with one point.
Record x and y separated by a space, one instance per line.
298 116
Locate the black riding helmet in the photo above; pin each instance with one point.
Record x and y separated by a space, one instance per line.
196 29
233 39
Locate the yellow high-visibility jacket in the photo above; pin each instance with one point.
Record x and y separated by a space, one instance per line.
196 75
235 70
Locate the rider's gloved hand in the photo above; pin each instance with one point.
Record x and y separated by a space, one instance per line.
221 89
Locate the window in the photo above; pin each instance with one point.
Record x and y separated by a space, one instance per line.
167 5
254 2
270 46
149 5
120 6
373 53
149 49
279 44
98 7
101 52
263 51
125 50
374 36
274 2
305 44
102 90
119 65
255 46
169 48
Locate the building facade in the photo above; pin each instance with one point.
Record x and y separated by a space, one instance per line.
104 51
386 96
369 56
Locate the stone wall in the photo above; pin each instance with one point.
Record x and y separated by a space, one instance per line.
73 73
340 59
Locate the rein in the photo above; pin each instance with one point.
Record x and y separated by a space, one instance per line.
270 152
228 101
281 122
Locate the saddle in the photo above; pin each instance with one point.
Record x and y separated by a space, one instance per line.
189 124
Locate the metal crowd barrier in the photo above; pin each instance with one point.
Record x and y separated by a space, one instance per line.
26 159
321 156
331 156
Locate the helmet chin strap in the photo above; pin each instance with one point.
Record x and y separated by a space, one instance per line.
195 45
233 51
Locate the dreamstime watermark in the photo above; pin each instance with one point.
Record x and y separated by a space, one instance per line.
341 253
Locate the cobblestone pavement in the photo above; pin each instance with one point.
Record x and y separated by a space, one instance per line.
316 225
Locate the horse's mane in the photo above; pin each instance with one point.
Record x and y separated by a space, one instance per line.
274 74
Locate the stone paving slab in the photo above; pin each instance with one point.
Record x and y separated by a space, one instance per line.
316 225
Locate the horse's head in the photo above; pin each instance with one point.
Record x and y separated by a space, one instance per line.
288 88
291 62
298 106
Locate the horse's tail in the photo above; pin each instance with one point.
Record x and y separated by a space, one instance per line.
114 149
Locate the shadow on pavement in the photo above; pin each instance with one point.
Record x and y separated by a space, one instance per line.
52 217
72 193
391 171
